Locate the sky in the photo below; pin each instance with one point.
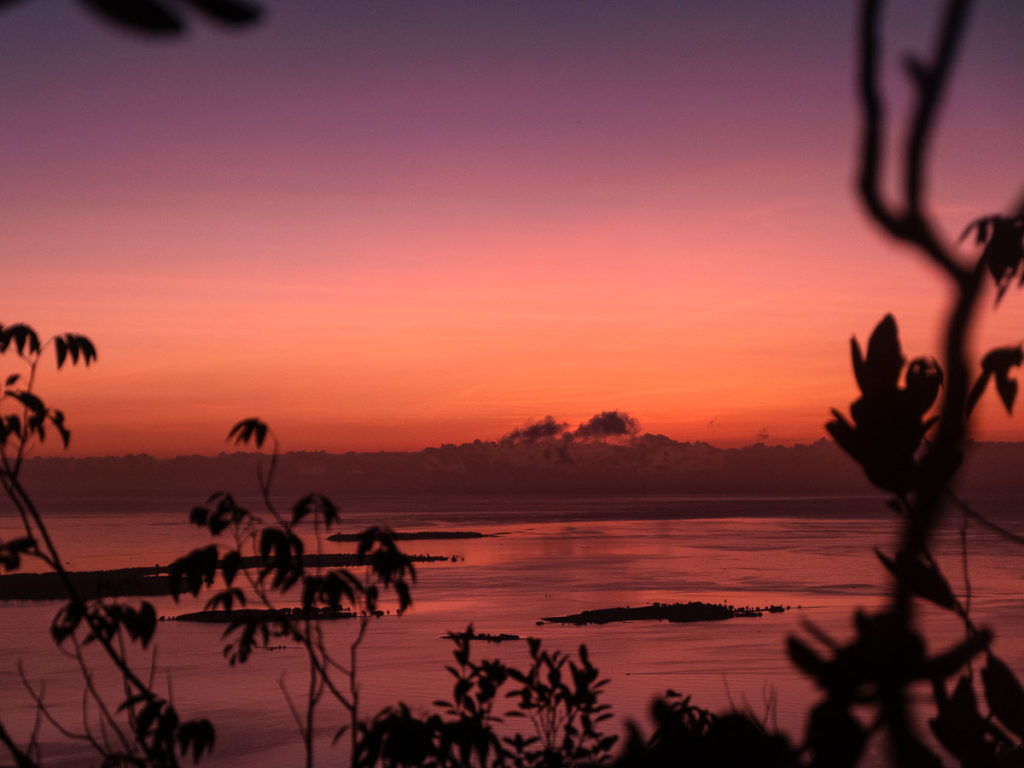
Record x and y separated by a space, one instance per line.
389 224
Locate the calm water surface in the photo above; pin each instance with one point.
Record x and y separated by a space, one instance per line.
546 557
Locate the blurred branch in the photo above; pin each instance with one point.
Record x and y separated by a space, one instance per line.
909 224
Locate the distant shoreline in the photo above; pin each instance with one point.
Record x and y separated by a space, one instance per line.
648 465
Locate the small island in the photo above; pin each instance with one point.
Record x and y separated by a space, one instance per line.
673 612
254 615
149 581
416 535
487 638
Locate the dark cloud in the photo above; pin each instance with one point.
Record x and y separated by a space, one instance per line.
608 424
539 430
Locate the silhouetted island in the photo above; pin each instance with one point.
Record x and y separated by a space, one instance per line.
246 615
677 612
147 580
415 535
487 638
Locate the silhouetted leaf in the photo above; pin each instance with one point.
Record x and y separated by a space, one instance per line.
197 736
249 429
952 661
1004 694
225 600
1003 251
80 348
844 434
140 624
138 15
981 228
197 568
281 553
253 631
404 596
959 727
1007 389
881 369
888 421
134 700
57 419
62 351
225 514
11 552
66 621
145 718
30 401
924 379
12 425
229 566
923 579
316 504
997 363
22 336
805 659
228 11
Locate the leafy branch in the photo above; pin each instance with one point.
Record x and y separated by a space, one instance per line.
158 734
279 549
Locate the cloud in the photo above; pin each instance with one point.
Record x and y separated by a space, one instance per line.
608 424
539 430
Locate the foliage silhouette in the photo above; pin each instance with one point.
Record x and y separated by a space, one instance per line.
874 673
557 695
868 685
145 728
167 17
282 573
685 734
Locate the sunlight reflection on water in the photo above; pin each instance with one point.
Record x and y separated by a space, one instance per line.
547 557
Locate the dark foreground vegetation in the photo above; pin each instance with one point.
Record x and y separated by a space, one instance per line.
909 442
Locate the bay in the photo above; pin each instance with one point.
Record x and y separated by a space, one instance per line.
542 557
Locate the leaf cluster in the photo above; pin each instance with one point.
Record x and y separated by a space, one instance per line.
158 728
29 415
889 419
278 553
1003 253
103 621
686 734
12 551
165 17
557 695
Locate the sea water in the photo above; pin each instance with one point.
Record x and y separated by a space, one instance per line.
540 557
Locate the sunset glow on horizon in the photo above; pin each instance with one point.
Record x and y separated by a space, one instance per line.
386 226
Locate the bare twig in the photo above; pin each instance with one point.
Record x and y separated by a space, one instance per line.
907 223
291 707
968 511
44 711
21 759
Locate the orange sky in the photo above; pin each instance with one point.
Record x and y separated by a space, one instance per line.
379 227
